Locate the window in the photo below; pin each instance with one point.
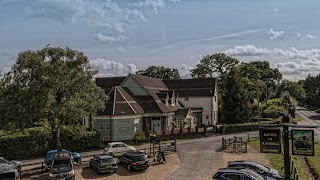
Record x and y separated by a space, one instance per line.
100 127
232 176
245 177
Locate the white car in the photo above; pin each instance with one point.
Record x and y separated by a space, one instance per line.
117 149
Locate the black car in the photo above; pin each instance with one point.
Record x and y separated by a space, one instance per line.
259 168
241 174
134 160
302 145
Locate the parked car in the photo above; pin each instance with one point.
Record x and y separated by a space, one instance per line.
9 172
302 145
239 174
17 164
62 166
117 149
50 155
259 168
134 161
103 163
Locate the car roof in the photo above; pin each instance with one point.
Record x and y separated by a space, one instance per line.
103 156
54 151
112 143
243 162
227 170
135 153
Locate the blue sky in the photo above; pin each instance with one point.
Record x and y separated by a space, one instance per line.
121 36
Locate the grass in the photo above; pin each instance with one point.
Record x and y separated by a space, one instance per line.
277 160
314 161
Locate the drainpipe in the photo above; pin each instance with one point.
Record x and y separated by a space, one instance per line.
211 106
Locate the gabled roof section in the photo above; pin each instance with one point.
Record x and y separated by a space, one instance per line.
121 103
150 83
182 113
182 84
107 83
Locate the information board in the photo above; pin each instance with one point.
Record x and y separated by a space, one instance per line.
270 141
302 142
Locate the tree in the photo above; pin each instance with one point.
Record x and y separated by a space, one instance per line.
216 64
52 85
236 106
160 72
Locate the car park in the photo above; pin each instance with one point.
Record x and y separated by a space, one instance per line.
50 155
62 166
103 163
9 172
118 149
239 174
16 164
134 161
259 168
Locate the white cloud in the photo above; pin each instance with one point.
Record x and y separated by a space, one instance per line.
112 68
4 53
4 70
299 62
185 71
155 5
307 36
121 49
109 39
275 34
274 10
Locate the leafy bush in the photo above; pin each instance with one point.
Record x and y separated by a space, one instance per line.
35 142
140 136
234 128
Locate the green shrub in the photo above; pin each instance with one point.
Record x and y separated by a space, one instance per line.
35 142
140 136
234 128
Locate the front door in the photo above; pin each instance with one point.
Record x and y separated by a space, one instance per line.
156 125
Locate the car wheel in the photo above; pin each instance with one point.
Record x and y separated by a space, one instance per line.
97 171
129 168
90 165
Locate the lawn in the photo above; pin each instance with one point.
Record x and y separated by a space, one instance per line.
277 160
314 161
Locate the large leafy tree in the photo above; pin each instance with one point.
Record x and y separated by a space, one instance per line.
236 105
160 72
51 85
214 65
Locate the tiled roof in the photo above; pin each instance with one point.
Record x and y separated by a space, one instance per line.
193 92
121 103
107 83
150 83
182 113
204 83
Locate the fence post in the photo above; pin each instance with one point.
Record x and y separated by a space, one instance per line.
248 137
223 143
246 149
175 145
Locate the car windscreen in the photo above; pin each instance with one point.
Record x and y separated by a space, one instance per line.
8 176
139 158
254 174
108 160
62 162
263 168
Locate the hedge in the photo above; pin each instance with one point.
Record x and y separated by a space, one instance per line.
35 142
235 128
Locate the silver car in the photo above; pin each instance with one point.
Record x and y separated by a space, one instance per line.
16 164
118 149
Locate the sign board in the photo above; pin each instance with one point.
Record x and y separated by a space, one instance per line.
270 141
302 142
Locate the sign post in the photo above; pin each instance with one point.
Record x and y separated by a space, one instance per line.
302 142
270 141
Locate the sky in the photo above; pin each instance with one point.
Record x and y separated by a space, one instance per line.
123 36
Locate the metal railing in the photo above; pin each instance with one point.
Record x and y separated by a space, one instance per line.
235 144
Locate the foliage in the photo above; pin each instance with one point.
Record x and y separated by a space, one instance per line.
236 105
244 127
160 72
312 89
275 108
211 65
293 88
35 142
140 136
52 84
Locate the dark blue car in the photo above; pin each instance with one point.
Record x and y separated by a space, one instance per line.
50 155
235 174
103 163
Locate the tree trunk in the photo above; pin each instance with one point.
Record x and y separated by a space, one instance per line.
57 136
